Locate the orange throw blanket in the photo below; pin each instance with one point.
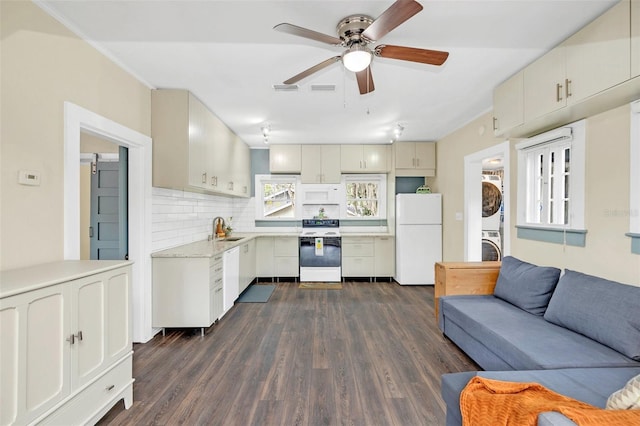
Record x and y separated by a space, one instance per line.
487 402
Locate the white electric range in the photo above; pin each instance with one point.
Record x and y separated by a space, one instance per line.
320 251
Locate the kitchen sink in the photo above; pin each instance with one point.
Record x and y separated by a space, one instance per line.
231 239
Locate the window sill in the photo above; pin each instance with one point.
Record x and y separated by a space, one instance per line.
635 242
570 237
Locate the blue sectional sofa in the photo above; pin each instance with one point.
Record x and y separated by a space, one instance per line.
577 334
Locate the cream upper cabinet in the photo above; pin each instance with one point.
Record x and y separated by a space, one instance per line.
415 158
285 159
241 166
592 60
364 158
192 148
320 164
508 104
635 38
597 57
544 85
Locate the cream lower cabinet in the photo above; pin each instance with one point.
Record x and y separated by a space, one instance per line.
368 256
66 349
277 257
247 264
187 291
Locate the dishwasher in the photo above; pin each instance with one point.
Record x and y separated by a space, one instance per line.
230 278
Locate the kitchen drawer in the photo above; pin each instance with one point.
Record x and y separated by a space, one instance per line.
114 385
357 267
363 249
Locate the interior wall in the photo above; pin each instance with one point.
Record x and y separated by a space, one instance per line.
43 65
449 180
607 252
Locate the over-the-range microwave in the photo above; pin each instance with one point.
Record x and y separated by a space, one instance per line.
320 193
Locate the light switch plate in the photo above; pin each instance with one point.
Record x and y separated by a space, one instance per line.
29 177
458 215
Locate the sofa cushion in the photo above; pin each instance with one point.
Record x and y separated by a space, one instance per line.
521 340
606 311
525 285
627 398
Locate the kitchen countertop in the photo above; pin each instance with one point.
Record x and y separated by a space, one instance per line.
22 280
212 248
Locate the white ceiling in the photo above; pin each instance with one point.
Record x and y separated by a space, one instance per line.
228 55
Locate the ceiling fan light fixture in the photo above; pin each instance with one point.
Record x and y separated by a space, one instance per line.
357 58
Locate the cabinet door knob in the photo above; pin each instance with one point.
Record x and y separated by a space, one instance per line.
79 335
110 388
567 89
204 177
71 339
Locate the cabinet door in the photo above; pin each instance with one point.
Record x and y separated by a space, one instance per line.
375 158
198 149
285 159
635 38
247 264
426 155
264 257
351 158
311 164
508 104
331 167
544 85
119 327
597 57
35 367
240 169
384 256
221 155
285 246
88 298
286 266
405 155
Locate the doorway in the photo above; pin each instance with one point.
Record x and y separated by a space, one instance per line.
474 224
104 215
139 175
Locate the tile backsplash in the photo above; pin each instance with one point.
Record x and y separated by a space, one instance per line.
180 217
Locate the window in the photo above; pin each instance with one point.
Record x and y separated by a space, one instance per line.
549 174
551 179
365 196
276 197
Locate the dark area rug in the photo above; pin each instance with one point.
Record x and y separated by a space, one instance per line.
257 293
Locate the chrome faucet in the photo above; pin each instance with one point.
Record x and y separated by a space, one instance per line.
222 226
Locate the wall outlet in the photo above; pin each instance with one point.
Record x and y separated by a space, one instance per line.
458 215
29 177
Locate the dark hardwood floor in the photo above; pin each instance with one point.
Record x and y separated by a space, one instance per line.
369 354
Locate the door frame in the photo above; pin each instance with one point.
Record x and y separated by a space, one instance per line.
77 119
473 200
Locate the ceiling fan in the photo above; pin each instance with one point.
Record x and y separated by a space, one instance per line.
355 33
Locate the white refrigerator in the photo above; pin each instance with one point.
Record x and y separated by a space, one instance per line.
418 237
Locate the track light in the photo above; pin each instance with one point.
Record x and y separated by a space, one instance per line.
397 132
266 130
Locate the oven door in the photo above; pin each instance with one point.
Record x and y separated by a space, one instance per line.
326 255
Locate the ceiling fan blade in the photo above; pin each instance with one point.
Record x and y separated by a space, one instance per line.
396 14
424 56
306 73
307 33
365 81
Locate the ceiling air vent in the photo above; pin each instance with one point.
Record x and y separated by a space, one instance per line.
323 87
285 87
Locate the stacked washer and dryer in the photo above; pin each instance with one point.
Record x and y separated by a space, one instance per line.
491 212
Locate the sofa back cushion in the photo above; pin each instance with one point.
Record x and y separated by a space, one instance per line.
526 286
606 311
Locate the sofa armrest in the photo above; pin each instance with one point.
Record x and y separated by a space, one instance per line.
552 418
